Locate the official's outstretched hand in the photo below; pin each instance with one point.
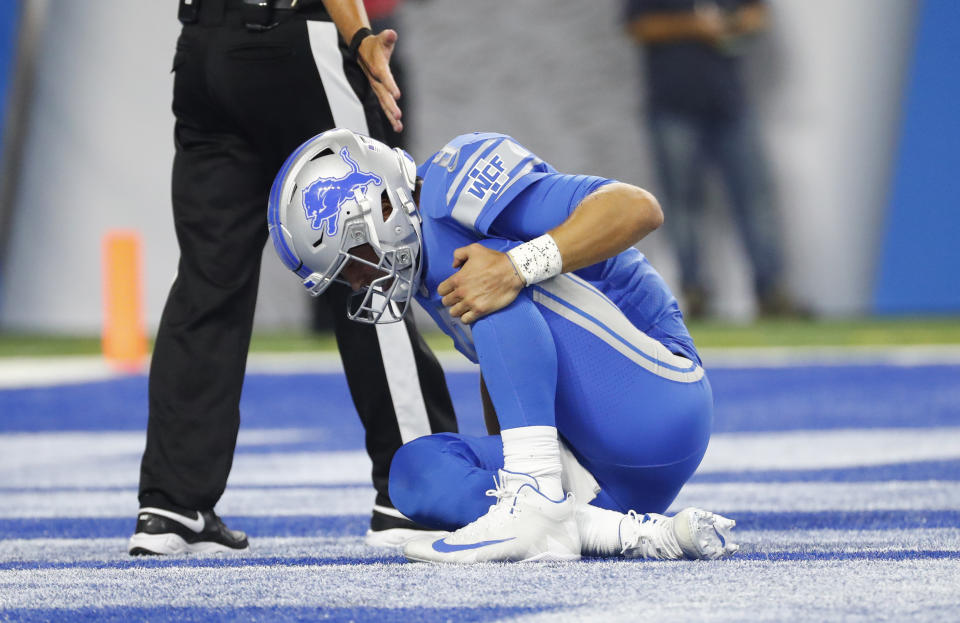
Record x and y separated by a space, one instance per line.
374 57
485 283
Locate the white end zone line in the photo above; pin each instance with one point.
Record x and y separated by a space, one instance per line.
22 372
789 356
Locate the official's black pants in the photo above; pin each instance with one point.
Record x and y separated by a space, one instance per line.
243 102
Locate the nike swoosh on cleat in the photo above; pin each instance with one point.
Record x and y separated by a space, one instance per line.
196 525
442 546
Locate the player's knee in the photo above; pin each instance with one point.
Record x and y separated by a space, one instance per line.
413 478
427 481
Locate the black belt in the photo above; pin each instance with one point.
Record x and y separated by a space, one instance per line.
278 5
257 14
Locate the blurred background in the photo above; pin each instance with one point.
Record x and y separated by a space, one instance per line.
854 102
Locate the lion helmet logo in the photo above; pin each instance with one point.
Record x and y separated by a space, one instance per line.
323 198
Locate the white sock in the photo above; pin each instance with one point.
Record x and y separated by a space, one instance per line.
534 450
599 531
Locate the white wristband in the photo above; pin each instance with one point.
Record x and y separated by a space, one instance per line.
537 260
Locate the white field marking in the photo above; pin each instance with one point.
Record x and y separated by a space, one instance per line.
766 541
788 356
819 496
300 468
16 372
235 502
295 363
725 498
115 549
44 371
826 449
810 590
98 459
28 449
24 372
303 468
608 591
770 541
105 459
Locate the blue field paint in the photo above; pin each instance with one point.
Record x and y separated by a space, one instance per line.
233 561
269 401
895 555
913 471
831 397
207 562
774 399
846 520
272 613
110 527
356 525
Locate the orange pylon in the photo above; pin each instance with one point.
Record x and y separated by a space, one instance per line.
124 339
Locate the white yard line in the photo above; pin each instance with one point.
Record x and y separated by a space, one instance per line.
18 372
334 501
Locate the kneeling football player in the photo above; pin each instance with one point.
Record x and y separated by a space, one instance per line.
603 407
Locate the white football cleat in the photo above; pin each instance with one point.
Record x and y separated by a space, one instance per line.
692 533
703 535
522 526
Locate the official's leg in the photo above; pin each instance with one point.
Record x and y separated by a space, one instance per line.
399 395
398 387
219 190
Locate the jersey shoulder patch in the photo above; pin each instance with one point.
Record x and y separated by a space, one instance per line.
480 170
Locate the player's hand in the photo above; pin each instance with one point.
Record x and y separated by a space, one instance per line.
485 283
374 58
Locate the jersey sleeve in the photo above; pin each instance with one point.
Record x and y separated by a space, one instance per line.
487 184
476 175
542 205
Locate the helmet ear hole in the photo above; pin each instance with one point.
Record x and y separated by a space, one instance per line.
326 151
385 205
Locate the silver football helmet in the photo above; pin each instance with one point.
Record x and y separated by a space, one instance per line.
337 192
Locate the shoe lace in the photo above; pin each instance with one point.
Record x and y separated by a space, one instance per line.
500 492
651 534
498 513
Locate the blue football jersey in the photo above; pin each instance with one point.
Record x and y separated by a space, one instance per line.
487 188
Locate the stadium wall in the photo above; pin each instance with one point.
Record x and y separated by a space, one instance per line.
99 146
919 262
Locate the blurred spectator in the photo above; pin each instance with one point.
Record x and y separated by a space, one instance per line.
699 117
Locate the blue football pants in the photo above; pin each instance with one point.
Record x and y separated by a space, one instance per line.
638 430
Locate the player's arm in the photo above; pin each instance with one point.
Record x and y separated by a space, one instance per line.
373 53
607 221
